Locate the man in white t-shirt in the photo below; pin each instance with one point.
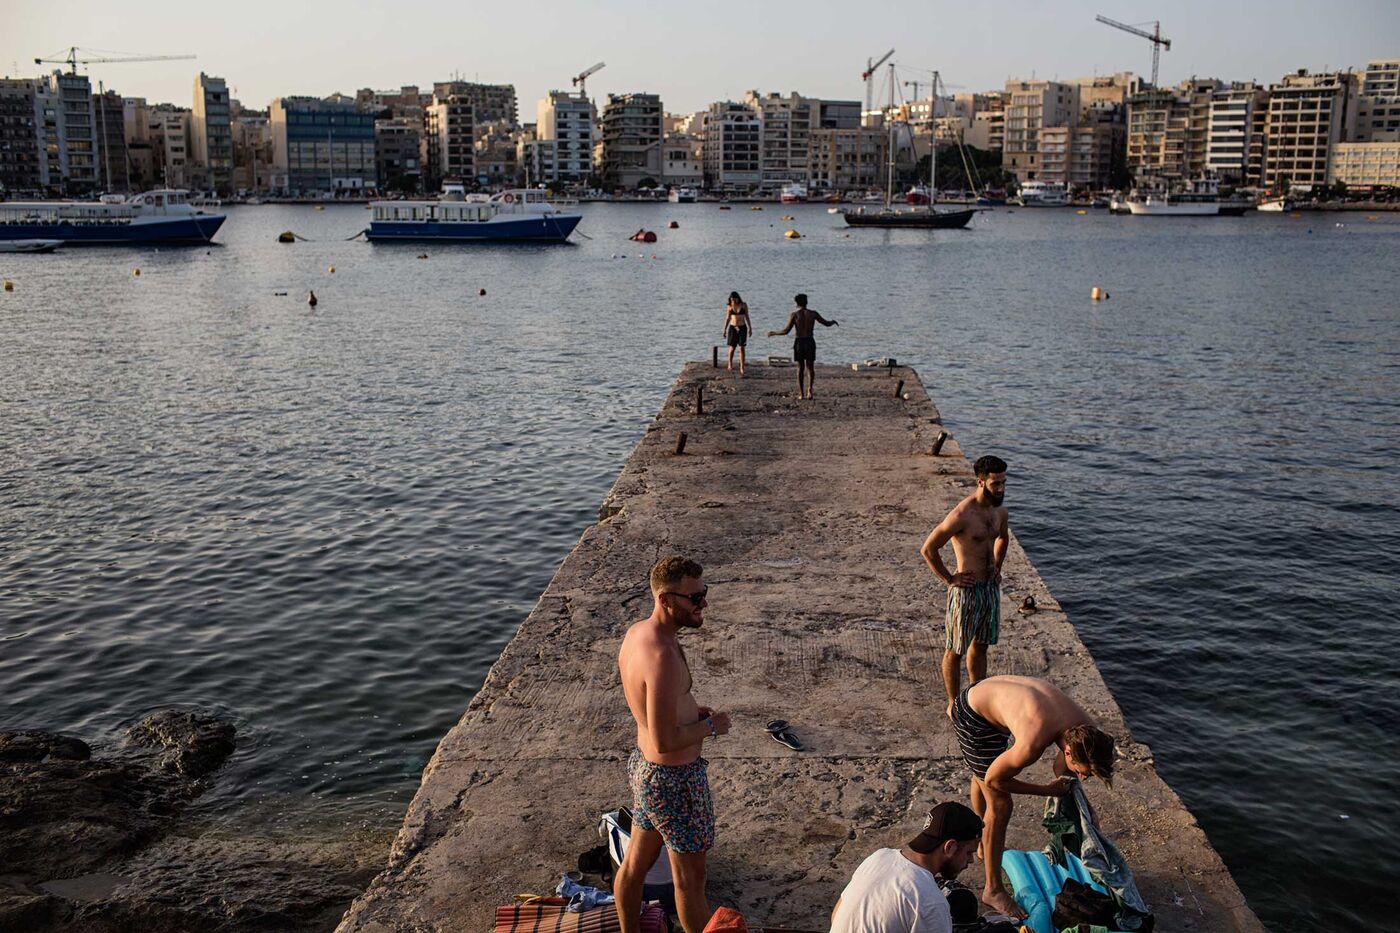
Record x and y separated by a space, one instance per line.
895 891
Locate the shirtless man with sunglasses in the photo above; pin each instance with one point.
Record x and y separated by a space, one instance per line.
671 803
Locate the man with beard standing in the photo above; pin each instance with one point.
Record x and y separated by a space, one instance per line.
978 529
671 803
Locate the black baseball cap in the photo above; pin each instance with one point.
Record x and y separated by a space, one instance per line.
948 820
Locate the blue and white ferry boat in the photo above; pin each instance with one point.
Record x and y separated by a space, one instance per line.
164 216
520 214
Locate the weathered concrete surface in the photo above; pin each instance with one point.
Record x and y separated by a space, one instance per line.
808 517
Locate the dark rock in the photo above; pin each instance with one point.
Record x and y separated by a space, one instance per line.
36 746
194 743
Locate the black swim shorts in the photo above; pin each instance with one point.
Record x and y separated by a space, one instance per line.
804 349
738 336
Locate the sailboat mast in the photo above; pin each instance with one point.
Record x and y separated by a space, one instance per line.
933 143
889 119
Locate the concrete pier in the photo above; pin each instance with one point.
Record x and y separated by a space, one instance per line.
807 517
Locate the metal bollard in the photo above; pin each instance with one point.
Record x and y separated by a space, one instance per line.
680 443
938 444
899 388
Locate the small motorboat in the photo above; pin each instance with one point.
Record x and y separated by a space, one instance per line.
29 246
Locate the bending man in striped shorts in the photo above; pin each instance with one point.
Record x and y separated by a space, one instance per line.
977 527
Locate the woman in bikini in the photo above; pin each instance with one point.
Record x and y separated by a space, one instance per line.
736 329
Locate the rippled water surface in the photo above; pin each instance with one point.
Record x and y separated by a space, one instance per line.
328 523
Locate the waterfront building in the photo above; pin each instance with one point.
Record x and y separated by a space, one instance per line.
1169 131
211 134
1366 165
407 101
1030 107
847 159
1079 157
19 137
497 162
491 103
1232 122
67 138
568 120
632 132
252 150
321 147
682 164
785 127
449 141
114 163
398 162
1308 115
732 147
171 127
1378 103
537 159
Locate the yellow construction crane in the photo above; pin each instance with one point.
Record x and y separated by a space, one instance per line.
582 77
868 76
1155 37
73 61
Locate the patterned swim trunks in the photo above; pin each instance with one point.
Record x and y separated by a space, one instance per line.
974 615
673 800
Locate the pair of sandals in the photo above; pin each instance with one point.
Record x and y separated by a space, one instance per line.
778 729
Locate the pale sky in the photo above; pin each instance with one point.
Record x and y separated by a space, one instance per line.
689 53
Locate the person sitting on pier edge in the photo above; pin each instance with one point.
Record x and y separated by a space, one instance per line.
671 803
804 346
977 526
1035 713
896 891
737 327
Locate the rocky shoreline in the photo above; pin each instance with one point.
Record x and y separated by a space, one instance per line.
100 840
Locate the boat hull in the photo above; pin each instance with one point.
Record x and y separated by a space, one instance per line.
1140 209
917 220
554 228
185 231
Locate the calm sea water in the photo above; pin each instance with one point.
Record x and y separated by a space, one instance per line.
327 524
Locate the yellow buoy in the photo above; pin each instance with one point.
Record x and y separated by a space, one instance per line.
787 217
9 286
332 268
320 207
1096 294
1081 212
793 235
286 236
756 207
135 271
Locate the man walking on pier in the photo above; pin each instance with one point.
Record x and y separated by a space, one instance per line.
977 526
670 788
804 346
1036 714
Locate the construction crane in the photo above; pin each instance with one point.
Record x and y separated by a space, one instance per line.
580 78
73 61
868 75
1155 37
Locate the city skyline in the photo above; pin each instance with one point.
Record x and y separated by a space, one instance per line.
317 50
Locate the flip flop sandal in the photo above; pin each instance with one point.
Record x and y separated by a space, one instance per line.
778 729
1028 605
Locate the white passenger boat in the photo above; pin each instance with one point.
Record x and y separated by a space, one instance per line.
1200 198
1275 205
164 216
520 214
682 195
1042 194
794 193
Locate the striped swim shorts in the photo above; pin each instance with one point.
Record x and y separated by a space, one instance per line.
980 741
974 615
673 800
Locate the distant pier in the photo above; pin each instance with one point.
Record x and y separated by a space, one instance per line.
807 517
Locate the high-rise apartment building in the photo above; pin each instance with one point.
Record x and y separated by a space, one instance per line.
19 137
114 163
64 121
1308 115
568 121
632 133
211 134
398 159
321 146
1378 103
1229 140
733 146
785 126
847 159
1079 157
1030 107
449 141
491 103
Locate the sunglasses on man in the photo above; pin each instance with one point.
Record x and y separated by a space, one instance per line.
695 598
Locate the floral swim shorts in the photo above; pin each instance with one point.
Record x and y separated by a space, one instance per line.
673 800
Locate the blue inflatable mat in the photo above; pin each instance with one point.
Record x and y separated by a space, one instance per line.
1035 881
